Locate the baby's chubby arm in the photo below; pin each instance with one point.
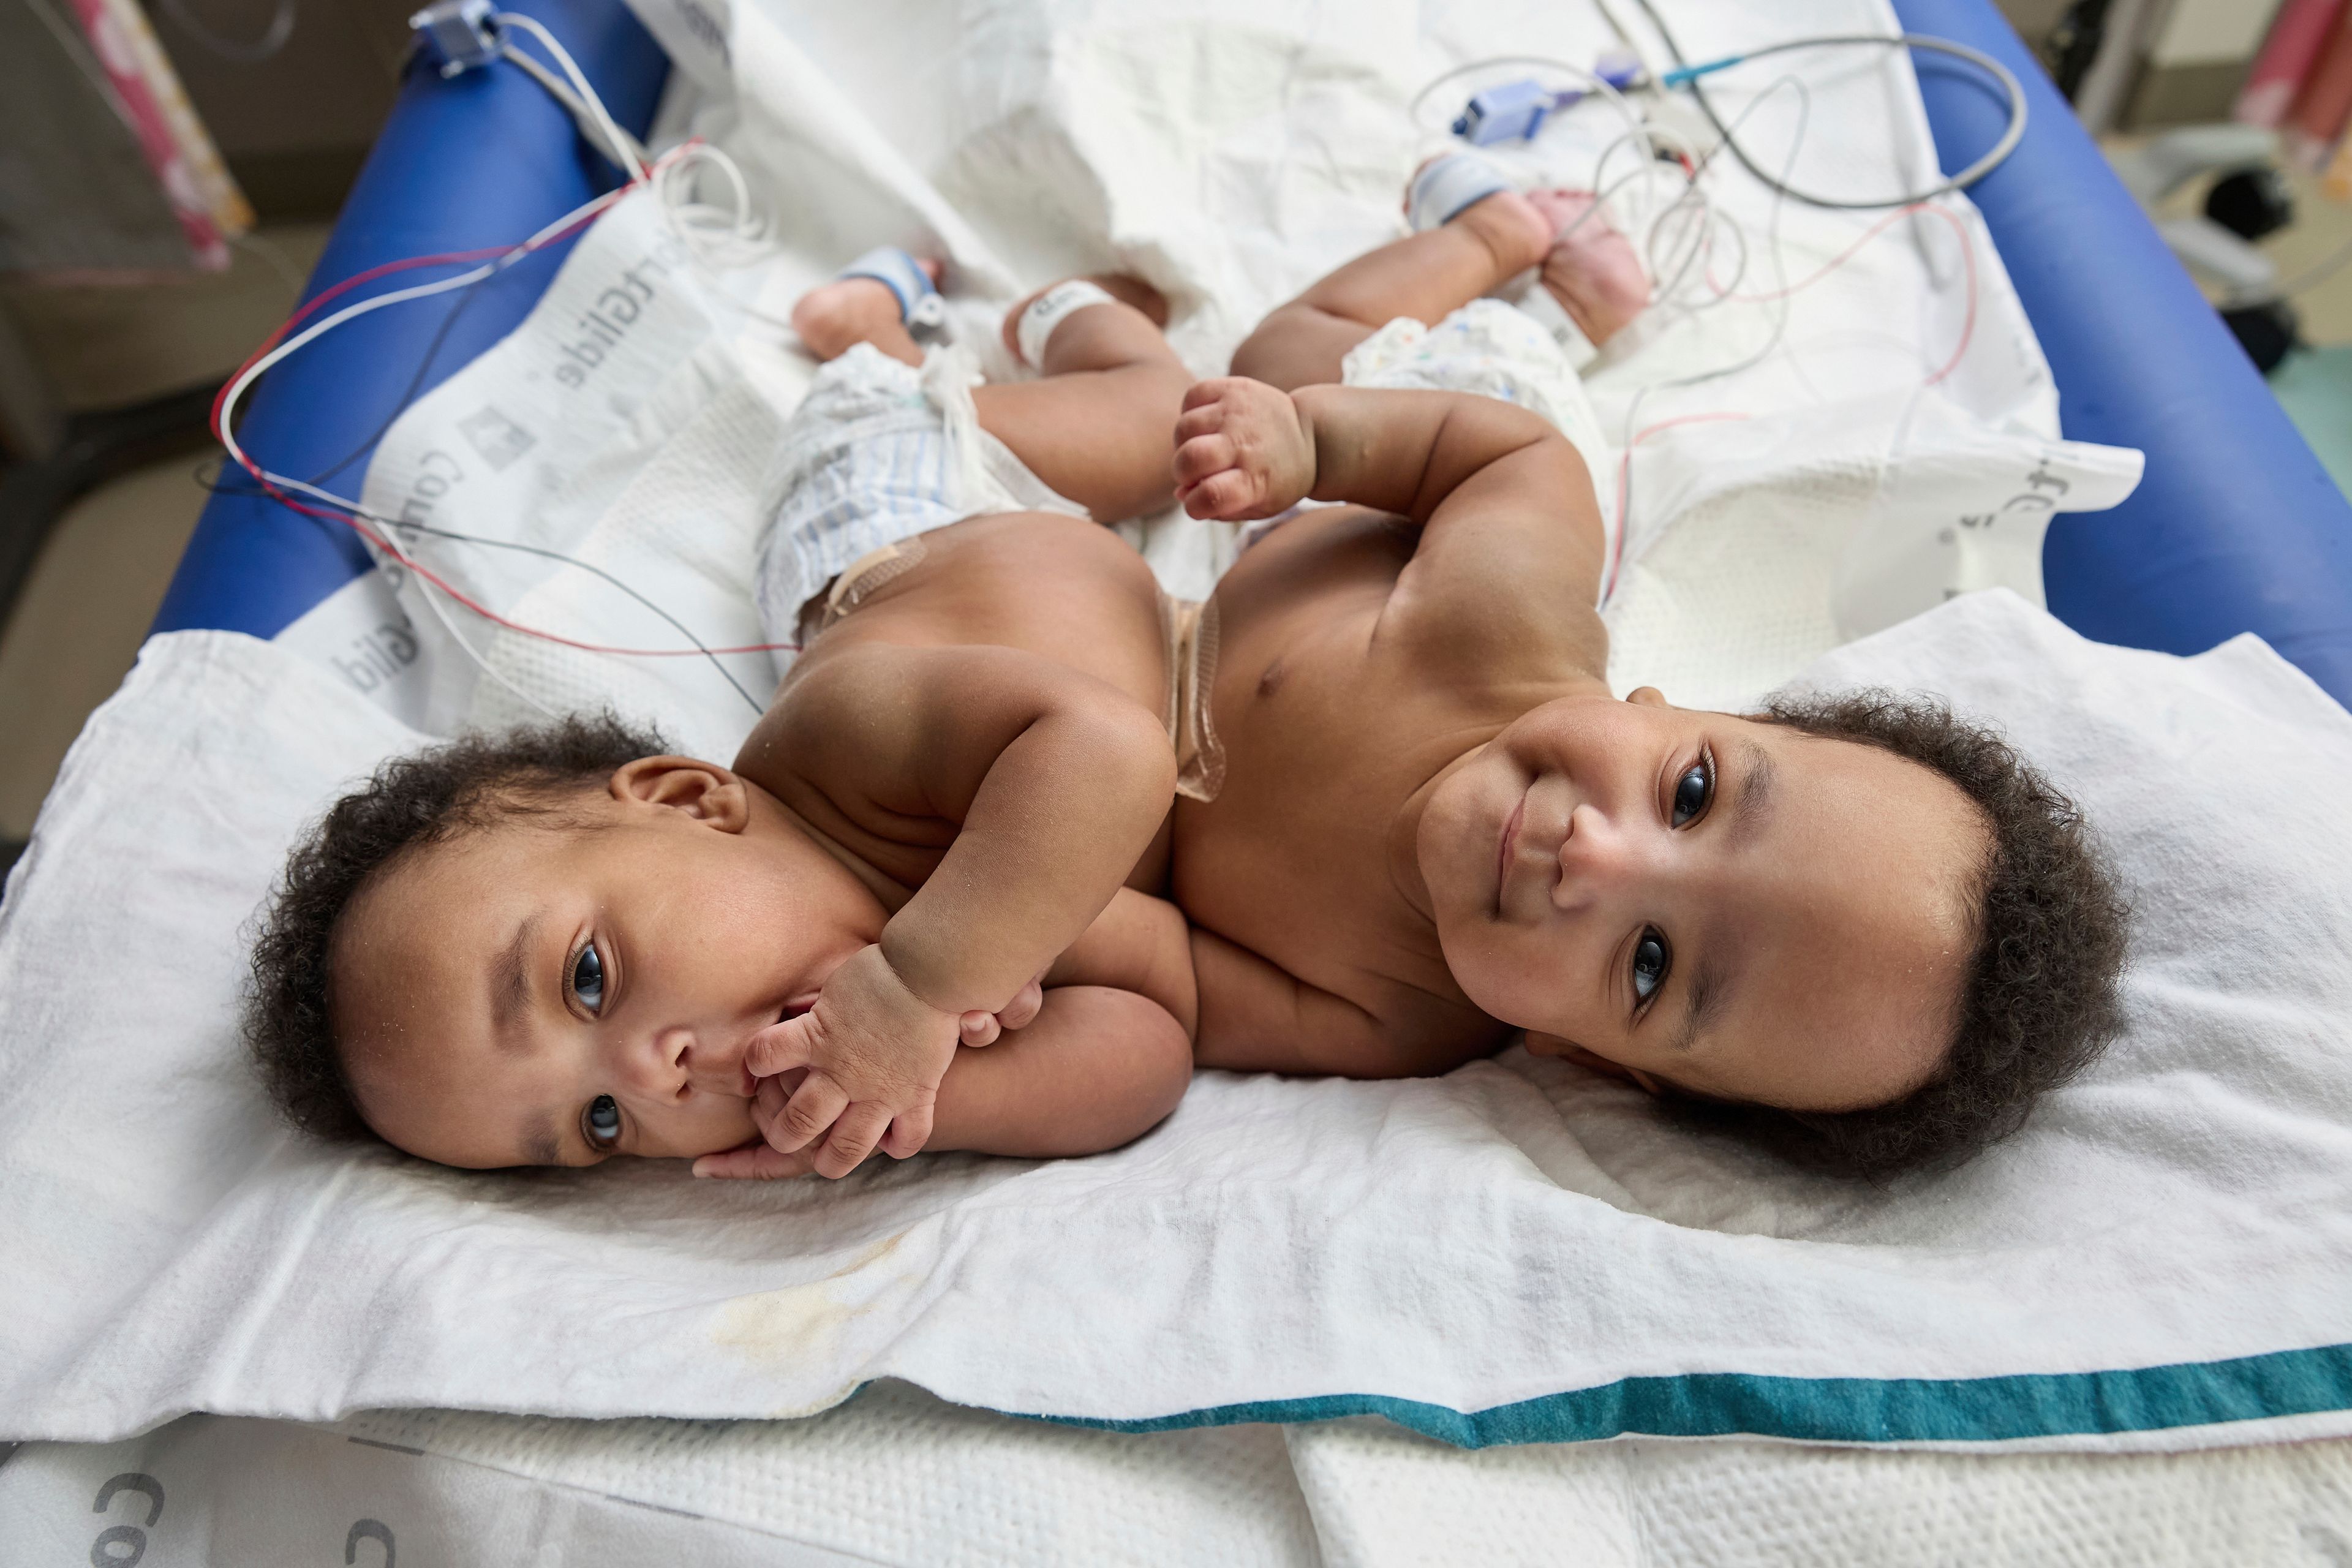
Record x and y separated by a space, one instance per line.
1512 541
1098 1059
1052 783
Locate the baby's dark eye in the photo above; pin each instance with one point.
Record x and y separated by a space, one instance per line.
1651 959
588 979
1694 790
601 1123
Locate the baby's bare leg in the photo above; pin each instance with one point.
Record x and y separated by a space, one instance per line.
1096 1069
1425 276
1099 423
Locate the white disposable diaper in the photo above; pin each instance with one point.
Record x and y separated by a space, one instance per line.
880 452
1493 350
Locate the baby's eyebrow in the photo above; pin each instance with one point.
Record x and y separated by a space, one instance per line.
1703 1002
511 985
540 1146
1754 806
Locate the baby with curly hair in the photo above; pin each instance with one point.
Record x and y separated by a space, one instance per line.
1409 817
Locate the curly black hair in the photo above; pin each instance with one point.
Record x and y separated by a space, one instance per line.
2039 1001
428 797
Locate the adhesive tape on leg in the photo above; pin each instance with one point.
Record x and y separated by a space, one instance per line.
1048 310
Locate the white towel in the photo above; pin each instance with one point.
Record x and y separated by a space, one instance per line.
1519 1250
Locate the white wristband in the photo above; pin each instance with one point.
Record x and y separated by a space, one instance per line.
1048 310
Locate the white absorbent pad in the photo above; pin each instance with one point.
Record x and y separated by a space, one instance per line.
1518 1251
897 1476
1894 440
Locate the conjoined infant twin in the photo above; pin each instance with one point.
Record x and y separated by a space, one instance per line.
1021 842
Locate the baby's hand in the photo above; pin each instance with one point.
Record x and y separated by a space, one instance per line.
981 1028
759 1160
1242 451
875 1053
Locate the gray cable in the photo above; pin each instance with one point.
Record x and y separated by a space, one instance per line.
2009 138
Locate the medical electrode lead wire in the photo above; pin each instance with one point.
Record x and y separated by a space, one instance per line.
278 485
1685 74
715 236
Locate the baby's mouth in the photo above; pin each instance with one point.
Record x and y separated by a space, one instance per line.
1503 851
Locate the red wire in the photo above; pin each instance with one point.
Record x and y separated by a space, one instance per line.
593 212
1968 259
375 538
447 258
1625 484
1968 331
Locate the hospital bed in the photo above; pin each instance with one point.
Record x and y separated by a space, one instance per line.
2236 528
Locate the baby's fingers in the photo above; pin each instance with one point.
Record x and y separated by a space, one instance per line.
780 1048
1230 497
752 1163
816 1105
909 1130
1203 455
1207 393
977 1028
1022 1010
854 1136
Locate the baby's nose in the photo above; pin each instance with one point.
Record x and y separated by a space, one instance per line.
1597 858
680 1058
709 1063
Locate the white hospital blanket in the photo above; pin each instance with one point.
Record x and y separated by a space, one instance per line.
1519 1250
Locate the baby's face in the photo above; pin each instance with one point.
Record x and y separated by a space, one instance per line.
1723 905
542 994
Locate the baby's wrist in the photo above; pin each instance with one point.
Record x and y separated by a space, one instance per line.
925 980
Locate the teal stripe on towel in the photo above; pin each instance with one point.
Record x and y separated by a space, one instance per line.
1846 1409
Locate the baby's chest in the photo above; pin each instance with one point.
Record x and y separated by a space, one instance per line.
1293 858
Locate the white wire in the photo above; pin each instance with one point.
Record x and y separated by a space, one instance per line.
2009 137
715 235
729 236
424 588
245 380
571 68
580 110
236 388
1772 343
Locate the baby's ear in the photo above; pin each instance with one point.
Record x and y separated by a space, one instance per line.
703 791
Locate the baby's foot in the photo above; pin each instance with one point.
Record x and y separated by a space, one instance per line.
834 317
1122 287
1590 267
1512 227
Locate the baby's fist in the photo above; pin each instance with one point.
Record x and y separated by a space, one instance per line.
1242 451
